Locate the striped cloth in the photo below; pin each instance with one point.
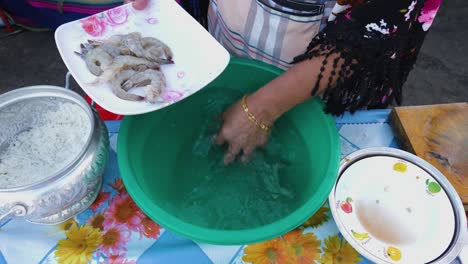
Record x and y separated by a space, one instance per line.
273 31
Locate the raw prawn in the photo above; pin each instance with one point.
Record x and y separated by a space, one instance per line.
120 78
95 59
116 40
152 80
133 42
150 42
125 62
113 50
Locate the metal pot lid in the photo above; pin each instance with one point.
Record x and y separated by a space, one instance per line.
394 207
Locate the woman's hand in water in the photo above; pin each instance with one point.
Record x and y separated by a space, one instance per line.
138 4
241 134
267 104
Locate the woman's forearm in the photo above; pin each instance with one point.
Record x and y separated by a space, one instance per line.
290 89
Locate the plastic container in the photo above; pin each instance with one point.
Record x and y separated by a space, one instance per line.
149 145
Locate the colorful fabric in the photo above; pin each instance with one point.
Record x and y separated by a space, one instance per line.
115 230
82 6
53 13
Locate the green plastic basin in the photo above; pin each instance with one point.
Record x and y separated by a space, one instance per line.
157 168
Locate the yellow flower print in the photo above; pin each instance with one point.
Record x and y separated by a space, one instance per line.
400 167
394 253
305 246
319 218
65 226
79 245
273 251
338 251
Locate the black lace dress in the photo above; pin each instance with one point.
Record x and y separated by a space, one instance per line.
370 49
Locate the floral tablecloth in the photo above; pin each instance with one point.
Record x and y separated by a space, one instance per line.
114 230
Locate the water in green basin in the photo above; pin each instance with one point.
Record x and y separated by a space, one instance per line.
213 195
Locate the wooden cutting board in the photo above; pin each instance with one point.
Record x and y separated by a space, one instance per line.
439 135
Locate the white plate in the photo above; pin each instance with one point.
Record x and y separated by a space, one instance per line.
393 211
198 57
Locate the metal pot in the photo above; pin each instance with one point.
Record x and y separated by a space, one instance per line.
71 190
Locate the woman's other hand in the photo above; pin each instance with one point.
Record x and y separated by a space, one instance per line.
138 4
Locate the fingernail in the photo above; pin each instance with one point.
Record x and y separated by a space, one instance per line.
140 5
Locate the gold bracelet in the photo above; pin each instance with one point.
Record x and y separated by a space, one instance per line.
251 117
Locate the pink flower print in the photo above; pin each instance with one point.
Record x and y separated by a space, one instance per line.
428 13
120 259
149 228
171 96
152 20
410 9
180 75
348 14
384 99
118 185
382 27
430 5
117 16
93 26
102 197
123 211
114 240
